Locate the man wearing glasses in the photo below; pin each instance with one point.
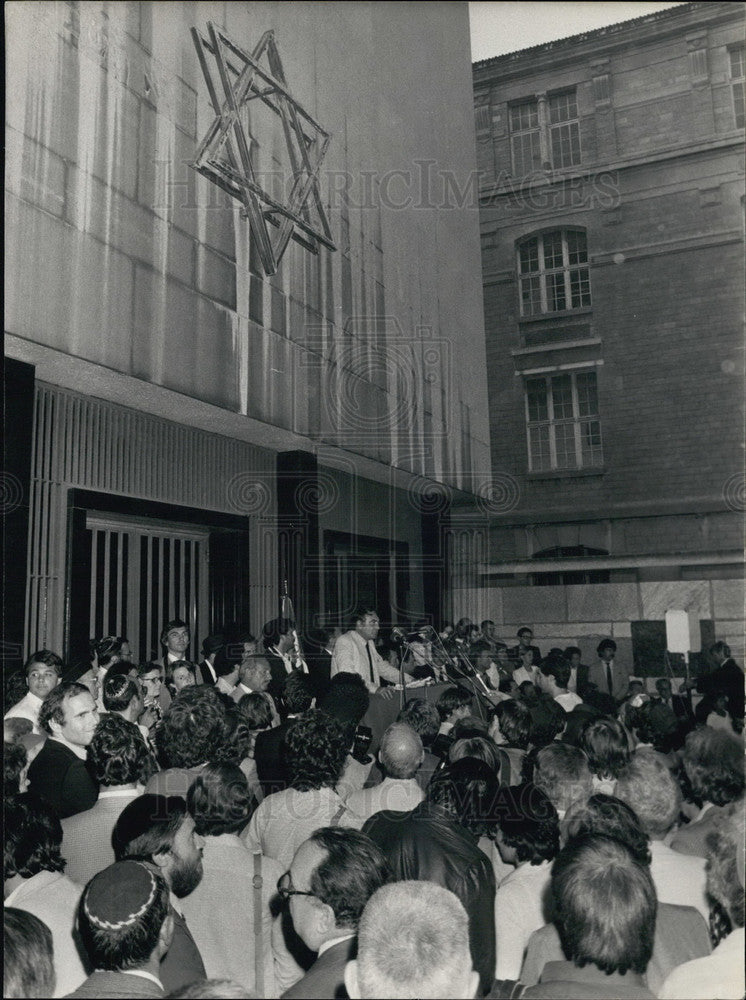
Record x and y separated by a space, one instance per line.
332 876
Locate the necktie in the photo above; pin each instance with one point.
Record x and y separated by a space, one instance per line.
370 662
609 679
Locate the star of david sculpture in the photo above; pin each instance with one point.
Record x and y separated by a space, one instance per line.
225 153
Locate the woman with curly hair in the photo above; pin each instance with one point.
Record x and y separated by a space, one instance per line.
220 911
316 751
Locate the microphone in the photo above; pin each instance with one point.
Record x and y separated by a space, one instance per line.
398 635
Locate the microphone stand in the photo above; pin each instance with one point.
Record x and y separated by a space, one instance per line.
468 672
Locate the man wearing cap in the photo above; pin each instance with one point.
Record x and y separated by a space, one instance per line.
159 830
127 928
58 773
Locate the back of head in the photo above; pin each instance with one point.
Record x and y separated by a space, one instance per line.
467 790
478 748
528 822
606 746
192 727
121 915
423 718
352 870
413 941
28 959
256 710
607 816
605 905
147 826
725 862
514 720
713 762
649 788
346 699
219 800
562 773
274 629
401 751
450 700
32 837
117 754
555 665
316 750
297 693
119 691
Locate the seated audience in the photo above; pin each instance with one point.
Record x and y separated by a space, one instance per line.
401 755
127 928
562 773
680 931
510 728
316 753
28 959
606 745
58 773
34 881
649 788
332 876
608 946
159 830
429 961
192 729
528 839
720 974
437 842
227 898
713 763
42 674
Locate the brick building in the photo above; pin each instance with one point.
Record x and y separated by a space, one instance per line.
611 206
186 429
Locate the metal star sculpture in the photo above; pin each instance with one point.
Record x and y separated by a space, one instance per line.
225 154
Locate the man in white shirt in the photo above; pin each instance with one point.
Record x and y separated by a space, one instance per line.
355 652
255 674
43 671
553 677
401 755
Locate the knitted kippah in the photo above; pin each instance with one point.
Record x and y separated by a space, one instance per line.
120 895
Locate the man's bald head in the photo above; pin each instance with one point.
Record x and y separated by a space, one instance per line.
401 751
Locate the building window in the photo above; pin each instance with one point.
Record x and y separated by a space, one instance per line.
564 430
564 130
737 59
553 272
550 121
569 577
524 137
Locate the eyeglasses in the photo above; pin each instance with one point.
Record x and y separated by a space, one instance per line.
286 890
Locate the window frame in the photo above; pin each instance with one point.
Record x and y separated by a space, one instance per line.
545 131
553 423
738 82
544 274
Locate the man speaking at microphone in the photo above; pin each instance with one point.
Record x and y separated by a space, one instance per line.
355 652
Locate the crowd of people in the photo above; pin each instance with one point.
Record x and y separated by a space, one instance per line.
528 825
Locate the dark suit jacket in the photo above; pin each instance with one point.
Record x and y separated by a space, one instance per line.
320 671
203 673
728 677
325 979
428 844
182 964
117 985
62 779
279 673
269 756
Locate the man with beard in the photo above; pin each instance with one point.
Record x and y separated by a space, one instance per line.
159 829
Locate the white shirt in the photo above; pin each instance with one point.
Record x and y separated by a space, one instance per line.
27 708
568 700
518 913
720 974
332 941
678 878
398 794
290 664
350 655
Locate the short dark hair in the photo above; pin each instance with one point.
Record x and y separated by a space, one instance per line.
423 717
606 644
713 762
561 771
237 740
721 648
558 667
297 692
315 751
606 746
14 761
212 643
451 700
227 659
361 613
28 958
147 826
219 800
53 706
148 666
353 869
131 943
172 665
117 753
346 699
256 710
192 727
469 727
571 651
274 629
32 838
119 690
528 822
608 816
514 720
523 630
174 623
45 656
549 724
605 905
467 790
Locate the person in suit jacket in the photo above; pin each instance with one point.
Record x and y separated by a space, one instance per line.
269 749
58 773
206 673
279 644
319 652
332 876
525 637
127 927
606 675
